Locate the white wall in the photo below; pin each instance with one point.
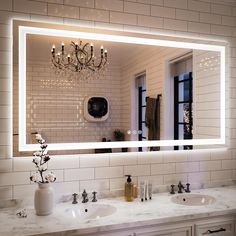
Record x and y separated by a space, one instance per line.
207 94
214 19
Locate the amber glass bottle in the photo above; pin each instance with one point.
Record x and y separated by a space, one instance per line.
129 186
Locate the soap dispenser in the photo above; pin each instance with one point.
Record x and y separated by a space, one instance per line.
129 189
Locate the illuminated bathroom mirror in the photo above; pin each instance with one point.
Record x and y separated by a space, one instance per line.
160 93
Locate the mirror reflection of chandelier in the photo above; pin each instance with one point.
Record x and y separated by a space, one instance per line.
79 62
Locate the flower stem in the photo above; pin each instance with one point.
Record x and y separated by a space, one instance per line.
41 174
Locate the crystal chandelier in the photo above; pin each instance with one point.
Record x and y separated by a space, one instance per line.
79 62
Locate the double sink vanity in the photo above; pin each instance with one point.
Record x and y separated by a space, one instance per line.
200 212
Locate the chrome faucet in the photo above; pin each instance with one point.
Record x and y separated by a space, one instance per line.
84 196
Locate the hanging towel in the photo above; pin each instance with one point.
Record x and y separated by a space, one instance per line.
150 116
158 119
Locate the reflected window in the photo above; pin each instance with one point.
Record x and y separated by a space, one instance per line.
142 129
183 114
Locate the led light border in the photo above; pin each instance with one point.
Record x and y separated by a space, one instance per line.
24 30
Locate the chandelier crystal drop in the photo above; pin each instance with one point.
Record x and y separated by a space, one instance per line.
79 62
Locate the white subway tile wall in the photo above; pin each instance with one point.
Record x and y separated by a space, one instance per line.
63 11
122 18
78 3
63 112
207 19
113 5
163 11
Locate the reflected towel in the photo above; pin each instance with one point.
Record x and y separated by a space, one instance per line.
150 115
152 118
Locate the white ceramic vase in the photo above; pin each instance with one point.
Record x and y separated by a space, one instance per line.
44 199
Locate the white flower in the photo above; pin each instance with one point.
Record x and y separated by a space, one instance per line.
42 167
43 140
34 177
38 136
50 177
45 152
37 153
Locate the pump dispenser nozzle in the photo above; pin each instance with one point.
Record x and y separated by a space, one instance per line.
129 180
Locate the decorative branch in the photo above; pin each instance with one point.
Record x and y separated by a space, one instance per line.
40 160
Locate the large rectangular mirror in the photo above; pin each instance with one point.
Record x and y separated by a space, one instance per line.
152 94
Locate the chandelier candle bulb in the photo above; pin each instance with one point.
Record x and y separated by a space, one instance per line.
53 52
91 46
53 49
62 48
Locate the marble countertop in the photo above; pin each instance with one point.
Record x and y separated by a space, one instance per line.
128 214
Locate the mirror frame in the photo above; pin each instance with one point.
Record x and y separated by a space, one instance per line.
24 30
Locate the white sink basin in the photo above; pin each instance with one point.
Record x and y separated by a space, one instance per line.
89 211
192 199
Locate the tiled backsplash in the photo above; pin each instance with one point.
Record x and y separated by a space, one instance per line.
212 19
105 172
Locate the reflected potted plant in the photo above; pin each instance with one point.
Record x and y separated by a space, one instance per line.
120 136
44 194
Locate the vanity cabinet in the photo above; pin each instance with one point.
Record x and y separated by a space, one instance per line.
205 227
215 226
157 230
171 230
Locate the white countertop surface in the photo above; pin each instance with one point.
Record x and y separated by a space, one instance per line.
129 214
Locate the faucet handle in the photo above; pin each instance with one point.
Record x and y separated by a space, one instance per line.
85 196
172 191
94 199
181 187
187 190
74 198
